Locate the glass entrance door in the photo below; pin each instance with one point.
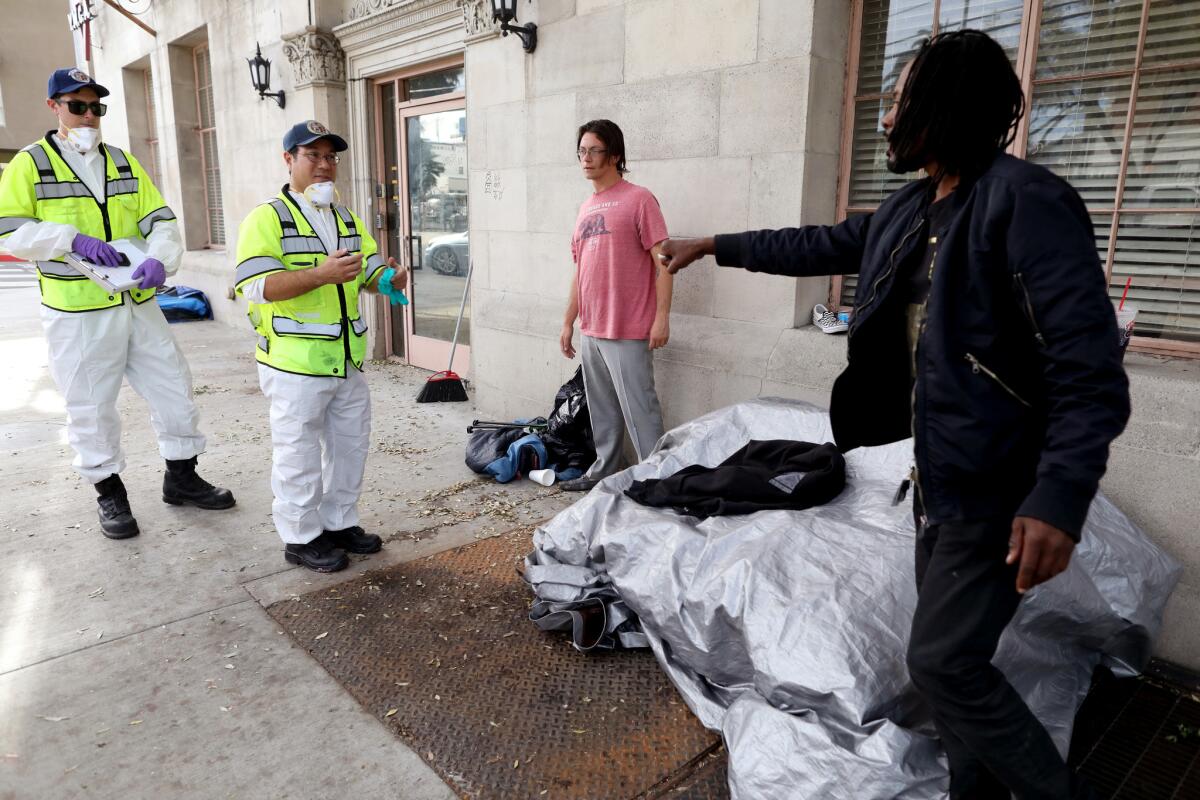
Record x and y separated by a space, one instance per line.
437 247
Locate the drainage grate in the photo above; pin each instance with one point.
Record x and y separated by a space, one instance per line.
440 650
1139 738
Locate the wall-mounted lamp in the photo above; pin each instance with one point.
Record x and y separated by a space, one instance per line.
260 76
504 12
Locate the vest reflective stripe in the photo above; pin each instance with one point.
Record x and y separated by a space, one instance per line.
146 223
119 161
350 242
318 332
10 224
51 191
374 266
123 186
302 244
59 269
259 265
311 330
347 220
57 191
42 162
286 220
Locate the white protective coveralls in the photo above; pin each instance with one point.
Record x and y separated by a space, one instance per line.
316 488
91 351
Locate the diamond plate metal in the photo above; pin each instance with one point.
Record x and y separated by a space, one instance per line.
441 652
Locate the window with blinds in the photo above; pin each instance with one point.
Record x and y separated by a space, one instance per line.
155 165
1114 107
210 161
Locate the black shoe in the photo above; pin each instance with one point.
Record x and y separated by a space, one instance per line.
319 555
354 540
116 518
182 486
581 484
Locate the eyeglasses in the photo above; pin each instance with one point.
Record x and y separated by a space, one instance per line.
79 108
594 152
317 158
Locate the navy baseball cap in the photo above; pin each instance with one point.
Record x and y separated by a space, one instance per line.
72 79
308 132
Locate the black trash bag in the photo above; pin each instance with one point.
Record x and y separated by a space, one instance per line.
485 445
568 434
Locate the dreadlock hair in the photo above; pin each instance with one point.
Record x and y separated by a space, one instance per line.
959 107
608 132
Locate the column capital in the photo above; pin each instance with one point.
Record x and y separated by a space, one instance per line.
316 57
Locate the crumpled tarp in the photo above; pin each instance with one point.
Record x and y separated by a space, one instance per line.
786 630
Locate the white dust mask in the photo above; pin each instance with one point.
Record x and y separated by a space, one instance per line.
321 194
83 140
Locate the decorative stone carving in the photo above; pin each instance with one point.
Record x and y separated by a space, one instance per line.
365 8
316 58
477 17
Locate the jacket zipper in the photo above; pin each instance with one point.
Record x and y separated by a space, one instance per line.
916 472
1037 333
891 268
978 367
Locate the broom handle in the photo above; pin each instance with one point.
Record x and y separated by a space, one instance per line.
461 308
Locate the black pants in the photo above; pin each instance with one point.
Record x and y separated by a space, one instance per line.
966 597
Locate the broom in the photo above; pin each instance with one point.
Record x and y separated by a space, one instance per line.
446 386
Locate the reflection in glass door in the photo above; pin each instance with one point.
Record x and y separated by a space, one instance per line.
420 209
435 154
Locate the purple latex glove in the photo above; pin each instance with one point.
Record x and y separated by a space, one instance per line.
152 272
96 250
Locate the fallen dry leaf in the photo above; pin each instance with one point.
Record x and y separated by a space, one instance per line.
391 712
320 636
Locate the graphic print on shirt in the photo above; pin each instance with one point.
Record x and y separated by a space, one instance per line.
590 228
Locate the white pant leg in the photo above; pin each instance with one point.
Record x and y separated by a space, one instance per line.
158 371
347 441
298 405
88 352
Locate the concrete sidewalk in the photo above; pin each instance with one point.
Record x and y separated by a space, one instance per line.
147 668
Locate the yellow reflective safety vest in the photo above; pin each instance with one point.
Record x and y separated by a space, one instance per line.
320 331
39 186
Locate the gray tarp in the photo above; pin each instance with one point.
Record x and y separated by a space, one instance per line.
786 630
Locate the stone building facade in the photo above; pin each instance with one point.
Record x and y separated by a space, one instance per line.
737 115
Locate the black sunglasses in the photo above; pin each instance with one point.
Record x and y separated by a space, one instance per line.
79 108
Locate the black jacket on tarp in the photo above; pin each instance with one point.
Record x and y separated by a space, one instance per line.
1019 386
774 474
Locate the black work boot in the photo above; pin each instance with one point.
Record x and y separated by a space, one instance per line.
182 486
355 540
319 555
116 518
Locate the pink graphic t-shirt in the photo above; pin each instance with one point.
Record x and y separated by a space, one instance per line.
611 247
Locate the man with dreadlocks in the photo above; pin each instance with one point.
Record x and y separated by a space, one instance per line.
983 329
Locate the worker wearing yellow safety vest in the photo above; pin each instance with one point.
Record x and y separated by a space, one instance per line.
302 261
68 192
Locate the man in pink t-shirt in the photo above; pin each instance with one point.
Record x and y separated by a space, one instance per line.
622 298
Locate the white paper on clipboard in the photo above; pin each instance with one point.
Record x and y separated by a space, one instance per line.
113 279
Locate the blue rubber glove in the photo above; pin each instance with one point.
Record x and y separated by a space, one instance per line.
96 250
394 294
152 272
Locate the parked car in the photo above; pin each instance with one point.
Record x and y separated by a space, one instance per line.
447 255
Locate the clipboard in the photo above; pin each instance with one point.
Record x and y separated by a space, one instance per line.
113 279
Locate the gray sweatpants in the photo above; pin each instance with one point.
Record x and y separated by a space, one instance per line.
618 375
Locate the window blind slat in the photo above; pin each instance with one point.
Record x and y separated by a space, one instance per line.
1077 130
1173 32
1164 149
1081 36
1161 253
